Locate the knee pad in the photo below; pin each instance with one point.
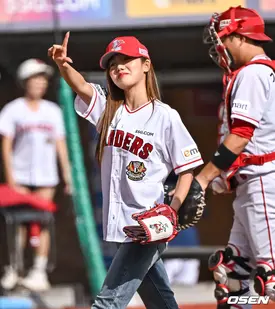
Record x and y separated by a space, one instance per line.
264 280
228 280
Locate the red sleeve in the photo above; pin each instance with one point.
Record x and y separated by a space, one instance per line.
242 128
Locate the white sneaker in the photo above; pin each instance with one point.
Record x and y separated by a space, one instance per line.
10 278
36 280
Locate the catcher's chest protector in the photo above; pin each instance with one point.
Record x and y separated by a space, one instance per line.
225 106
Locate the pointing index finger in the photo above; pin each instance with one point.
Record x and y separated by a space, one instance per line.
66 40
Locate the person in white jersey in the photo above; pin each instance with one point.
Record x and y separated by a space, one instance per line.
33 136
245 158
141 140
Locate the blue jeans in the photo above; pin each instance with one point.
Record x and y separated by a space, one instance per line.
134 268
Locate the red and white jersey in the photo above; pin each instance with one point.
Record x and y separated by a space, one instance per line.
143 146
35 133
253 100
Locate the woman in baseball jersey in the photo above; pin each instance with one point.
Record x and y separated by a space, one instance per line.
141 140
33 135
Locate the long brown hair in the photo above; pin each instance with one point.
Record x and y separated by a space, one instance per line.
115 99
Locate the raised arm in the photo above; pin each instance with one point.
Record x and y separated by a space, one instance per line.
74 79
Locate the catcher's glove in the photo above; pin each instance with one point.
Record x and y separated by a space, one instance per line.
158 224
193 206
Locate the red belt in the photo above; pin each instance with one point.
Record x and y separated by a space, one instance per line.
246 159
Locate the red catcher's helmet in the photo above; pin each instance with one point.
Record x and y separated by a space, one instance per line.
244 21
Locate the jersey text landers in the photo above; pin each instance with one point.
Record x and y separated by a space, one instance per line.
130 142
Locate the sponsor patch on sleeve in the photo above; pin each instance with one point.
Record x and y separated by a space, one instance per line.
240 106
190 153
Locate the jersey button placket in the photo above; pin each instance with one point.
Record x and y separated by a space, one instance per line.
115 193
118 187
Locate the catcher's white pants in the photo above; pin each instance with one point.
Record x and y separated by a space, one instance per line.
253 230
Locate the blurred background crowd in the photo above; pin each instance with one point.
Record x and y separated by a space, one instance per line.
37 162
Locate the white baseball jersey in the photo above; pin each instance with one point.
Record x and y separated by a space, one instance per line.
253 100
35 133
253 231
143 146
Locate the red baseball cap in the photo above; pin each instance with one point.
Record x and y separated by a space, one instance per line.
125 45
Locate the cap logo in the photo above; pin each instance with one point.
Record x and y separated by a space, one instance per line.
143 51
226 22
116 45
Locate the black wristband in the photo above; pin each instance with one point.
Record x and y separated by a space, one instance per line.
223 158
